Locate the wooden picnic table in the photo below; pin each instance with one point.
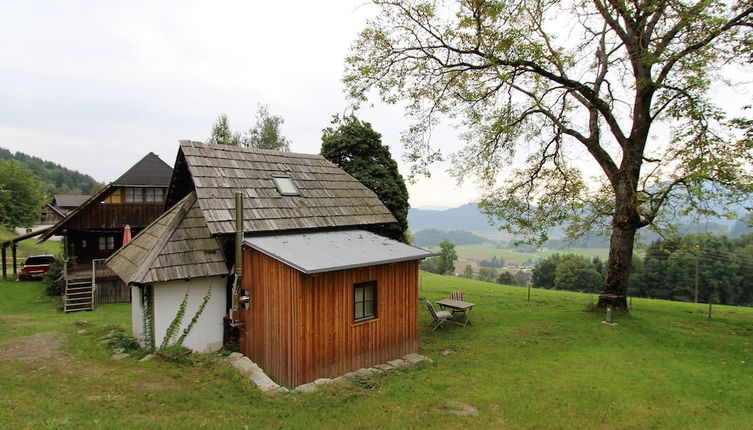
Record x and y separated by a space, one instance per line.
457 305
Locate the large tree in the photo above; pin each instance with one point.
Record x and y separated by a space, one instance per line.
356 148
21 198
556 88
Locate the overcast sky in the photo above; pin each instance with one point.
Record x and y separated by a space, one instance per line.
96 85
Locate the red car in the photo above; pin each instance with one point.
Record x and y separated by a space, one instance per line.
35 267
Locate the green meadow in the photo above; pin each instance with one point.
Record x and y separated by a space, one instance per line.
28 247
547 363
487 250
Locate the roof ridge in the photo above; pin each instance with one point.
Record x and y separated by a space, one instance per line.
183 207
245 149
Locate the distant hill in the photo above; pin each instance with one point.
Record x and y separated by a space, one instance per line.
56 178
432 237
469 218
466 217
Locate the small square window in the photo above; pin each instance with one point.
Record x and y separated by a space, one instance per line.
134 195
154 194
106 242
364 301
285 185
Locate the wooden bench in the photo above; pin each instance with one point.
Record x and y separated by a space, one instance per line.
618 301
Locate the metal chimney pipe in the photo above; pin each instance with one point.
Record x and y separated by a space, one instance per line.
235 299
238 233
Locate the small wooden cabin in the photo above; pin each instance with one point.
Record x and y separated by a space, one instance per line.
325 295
326 303
94 230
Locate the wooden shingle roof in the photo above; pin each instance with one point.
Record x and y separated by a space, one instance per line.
329 197
177 245
149 171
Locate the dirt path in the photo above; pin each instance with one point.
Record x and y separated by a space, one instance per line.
36 347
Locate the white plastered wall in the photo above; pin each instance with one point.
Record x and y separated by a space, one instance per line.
206 334
137 319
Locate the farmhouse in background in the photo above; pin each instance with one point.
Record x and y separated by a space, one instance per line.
53 212
94 230
322 295
60 206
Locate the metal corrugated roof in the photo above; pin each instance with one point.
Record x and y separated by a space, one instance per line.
328 251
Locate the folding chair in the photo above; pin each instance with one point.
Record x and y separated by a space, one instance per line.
440 317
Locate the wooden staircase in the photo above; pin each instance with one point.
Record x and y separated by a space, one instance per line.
79 296
81 286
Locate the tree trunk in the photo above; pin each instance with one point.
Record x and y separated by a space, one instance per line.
624 226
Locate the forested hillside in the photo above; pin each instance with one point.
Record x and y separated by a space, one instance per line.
433 237
55 178
721 267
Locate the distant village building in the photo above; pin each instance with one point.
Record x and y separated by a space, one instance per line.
322 296
54 211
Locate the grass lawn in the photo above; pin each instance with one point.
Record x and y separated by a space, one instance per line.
543 364
26 248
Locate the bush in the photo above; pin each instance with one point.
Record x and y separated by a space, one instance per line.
53 279
120 340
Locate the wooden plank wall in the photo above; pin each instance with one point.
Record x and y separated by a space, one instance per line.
300 327
269 335
112 290
116 215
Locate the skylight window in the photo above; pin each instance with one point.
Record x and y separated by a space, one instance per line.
285 185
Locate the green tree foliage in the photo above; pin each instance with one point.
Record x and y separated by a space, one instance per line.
521 279
544 271
267 134
21 198
356 148
443 264
619 76
506 278
222 134
487 274
467 272
668 270
55 178
449 256
495 262
568 272
576 273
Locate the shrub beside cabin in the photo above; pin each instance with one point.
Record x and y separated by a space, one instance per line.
324 296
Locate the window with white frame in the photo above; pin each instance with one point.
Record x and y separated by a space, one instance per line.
285 185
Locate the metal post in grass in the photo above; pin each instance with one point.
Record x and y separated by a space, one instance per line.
15 260
608 320
710 300
5 270
697 270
